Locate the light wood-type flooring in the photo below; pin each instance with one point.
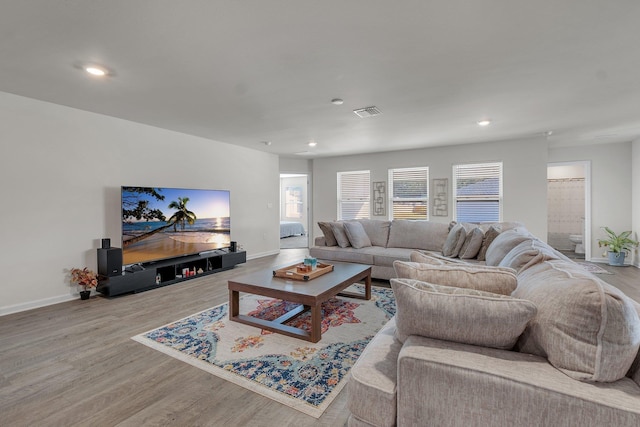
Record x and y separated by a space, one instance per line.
74 364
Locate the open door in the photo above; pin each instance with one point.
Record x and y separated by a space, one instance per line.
294 211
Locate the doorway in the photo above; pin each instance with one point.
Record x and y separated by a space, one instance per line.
294 211
569 208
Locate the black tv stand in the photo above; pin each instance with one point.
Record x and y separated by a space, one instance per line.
138 278
133 268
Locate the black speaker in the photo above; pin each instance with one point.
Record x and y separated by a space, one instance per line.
233 246
106 243
110 261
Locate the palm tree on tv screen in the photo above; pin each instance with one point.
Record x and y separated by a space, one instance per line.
183 215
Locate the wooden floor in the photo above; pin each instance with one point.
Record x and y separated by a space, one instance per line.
74 364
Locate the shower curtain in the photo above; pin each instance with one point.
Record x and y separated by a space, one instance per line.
565 199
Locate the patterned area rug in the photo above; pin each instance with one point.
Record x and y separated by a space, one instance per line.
592 268
297 373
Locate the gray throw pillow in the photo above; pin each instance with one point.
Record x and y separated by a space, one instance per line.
503 244
461 315
489 236
455 240
329 238
472 244
356 234
340 234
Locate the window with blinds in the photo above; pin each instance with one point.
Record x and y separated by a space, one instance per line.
354 195
478 192
409 191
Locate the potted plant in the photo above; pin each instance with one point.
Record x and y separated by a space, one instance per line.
618 244
86 278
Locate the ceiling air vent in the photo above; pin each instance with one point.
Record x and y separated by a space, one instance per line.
367 112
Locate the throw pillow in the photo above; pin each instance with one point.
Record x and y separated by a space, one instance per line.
472 244
503 244
433 258
585 327
489 236
356 234
497 280
341 236
329 238
460 315
529 253
455 240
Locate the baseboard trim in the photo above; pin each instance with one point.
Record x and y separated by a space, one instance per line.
17 308
263 254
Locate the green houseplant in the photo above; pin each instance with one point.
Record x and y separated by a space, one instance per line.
618 244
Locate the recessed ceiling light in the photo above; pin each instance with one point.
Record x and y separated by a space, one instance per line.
337 101
312 143
484 122
267 143
95 70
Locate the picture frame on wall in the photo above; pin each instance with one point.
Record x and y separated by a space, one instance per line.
440 196
379 198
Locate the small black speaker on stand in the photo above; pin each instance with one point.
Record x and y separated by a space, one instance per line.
109 259
233 246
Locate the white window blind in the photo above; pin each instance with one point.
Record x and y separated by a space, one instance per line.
354 195
478 192
409 191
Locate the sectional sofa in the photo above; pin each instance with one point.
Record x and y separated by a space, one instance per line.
379 243
528 339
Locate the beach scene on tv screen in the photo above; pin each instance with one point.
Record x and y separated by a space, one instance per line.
159 223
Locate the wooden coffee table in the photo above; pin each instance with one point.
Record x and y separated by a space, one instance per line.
311 294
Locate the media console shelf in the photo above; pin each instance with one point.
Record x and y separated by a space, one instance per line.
168 272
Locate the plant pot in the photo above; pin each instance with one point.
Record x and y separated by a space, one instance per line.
85 294
616 258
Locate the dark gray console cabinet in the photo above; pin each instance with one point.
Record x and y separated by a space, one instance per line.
168 272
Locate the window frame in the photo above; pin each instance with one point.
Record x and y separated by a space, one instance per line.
391 199
479 166
366 191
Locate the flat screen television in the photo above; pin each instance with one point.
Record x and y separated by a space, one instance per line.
161 223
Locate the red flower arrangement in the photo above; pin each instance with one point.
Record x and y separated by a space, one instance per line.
84 277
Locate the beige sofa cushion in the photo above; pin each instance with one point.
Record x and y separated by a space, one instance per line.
454 241
527 253
472 243
503 244
356 235
433 258
377 230
460 315
417 234
372 388
585 327
489 279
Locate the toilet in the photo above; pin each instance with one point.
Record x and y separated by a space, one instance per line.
576 239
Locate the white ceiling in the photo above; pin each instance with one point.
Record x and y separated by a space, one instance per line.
248 71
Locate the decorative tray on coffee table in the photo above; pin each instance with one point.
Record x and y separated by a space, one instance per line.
299 271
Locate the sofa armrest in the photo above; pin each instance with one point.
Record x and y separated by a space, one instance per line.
319 241
455 384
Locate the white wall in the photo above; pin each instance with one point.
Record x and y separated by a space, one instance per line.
524 176
61 170
611 184
291 165
635 198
